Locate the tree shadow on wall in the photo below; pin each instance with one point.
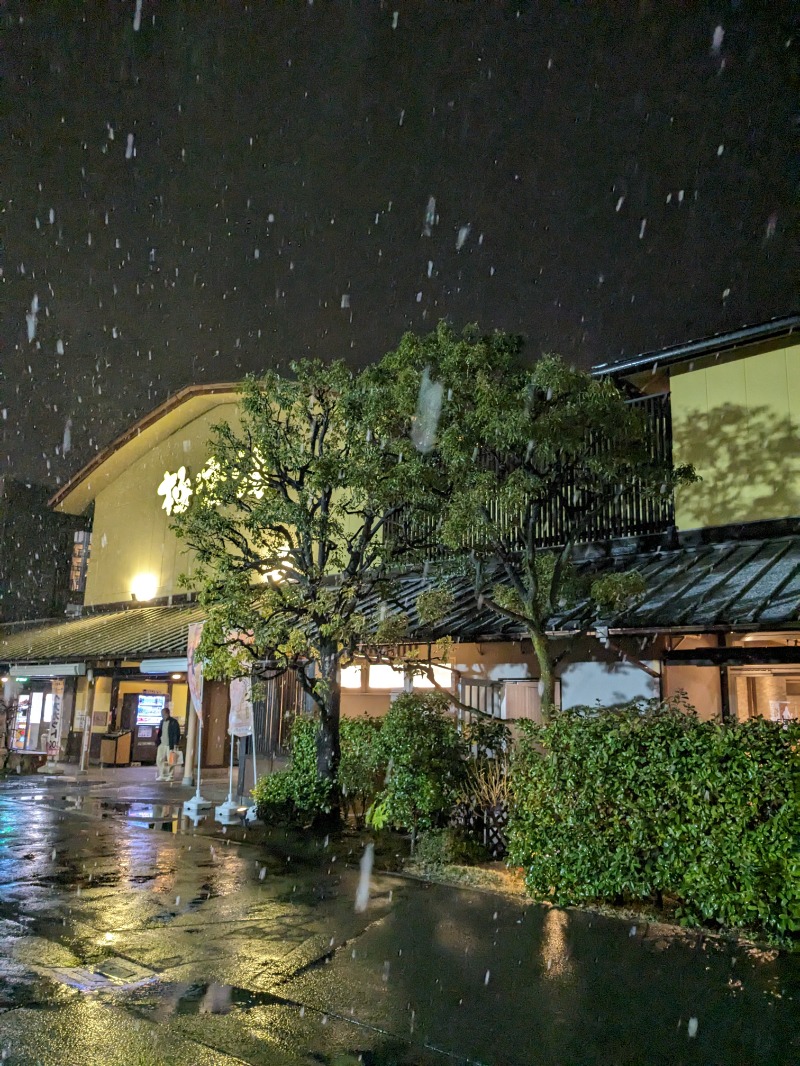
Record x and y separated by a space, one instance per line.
749 461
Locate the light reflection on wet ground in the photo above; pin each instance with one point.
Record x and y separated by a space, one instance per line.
129 935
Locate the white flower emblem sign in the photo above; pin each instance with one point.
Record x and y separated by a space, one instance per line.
176 490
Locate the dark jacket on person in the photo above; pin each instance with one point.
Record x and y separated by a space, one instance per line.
173 732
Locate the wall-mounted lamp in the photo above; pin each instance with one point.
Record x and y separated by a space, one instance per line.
177 677
144 587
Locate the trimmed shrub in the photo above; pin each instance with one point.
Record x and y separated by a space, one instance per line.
425 756
646 800
488 738
272 796
363 766
441 847
296 794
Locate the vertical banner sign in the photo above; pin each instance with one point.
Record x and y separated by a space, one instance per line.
240 720
54 734
195 668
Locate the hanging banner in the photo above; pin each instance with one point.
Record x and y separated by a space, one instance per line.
240 719
54 734
194 674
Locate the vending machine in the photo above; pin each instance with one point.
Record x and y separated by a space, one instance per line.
148 716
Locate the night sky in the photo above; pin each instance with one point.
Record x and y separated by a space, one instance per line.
233 185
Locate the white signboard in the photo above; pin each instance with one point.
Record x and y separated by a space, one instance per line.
240 720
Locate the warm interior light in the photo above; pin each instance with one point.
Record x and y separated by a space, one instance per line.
177 677
276 575
383 676
144 586
442 675
351 677
3 679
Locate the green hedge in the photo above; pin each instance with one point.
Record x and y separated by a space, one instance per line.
363 765
646 801
410 763
426 763
297 794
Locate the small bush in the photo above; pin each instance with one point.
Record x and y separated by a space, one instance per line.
646 800
442 847
273 796
362 766
489 738
425 758
297 793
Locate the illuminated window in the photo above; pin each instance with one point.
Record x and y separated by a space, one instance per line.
442 674
37 699
385 677
80 561
351 677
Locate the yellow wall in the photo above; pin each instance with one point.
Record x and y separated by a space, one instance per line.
355 704
131 533
737 420
179 694
102 703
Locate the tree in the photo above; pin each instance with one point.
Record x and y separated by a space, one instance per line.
426 757
518 449
286 523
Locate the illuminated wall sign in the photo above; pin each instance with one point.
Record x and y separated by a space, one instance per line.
176 490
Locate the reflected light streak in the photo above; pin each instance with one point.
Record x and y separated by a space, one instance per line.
555 951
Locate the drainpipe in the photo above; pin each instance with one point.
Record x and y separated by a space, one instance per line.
83 769
724 689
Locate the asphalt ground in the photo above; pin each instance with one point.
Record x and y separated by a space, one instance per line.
130 936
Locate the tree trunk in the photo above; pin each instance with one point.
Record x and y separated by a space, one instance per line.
547 676
328 747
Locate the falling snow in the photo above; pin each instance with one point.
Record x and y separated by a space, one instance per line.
365 874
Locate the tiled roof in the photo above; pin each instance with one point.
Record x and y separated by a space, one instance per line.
137 633
746 584
751 584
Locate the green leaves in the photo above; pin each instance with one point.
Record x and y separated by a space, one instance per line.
434 605
425 756
524 455
647 800
612 592
296 794
286 525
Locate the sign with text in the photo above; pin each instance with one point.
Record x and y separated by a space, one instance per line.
240 719
194 673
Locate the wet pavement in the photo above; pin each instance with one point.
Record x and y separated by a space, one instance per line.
130 936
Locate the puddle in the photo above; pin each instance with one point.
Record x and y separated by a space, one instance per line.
113 973
143 812
205 998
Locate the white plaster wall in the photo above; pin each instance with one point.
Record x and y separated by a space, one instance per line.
610 683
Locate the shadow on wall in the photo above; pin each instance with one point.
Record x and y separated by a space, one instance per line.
749 461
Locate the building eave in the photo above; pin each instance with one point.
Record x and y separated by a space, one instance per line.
718 342
81 489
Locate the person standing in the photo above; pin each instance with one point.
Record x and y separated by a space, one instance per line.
168 737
